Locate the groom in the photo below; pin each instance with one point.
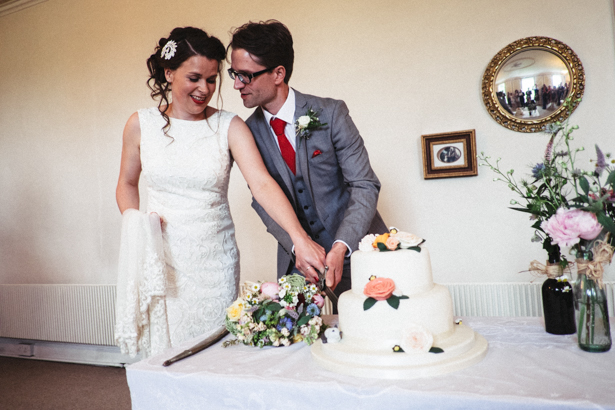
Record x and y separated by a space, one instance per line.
324 171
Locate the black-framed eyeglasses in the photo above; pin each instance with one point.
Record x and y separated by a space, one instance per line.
245 77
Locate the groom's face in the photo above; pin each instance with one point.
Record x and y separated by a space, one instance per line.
262 90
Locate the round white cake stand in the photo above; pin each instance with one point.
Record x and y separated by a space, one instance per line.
462 349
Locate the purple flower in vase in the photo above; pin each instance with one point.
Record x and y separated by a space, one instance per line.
600 161
538 170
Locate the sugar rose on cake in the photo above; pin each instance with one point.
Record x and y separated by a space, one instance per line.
379 288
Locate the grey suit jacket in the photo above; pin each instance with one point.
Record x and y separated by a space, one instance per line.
337 173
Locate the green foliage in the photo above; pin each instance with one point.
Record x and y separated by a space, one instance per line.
558 183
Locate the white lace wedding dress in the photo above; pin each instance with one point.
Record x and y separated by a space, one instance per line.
187 175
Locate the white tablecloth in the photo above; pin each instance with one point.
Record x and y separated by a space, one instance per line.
525 368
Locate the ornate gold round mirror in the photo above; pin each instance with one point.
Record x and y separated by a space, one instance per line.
526 83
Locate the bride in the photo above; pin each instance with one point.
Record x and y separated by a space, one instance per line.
184 150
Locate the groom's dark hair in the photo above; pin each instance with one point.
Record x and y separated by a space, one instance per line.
269 41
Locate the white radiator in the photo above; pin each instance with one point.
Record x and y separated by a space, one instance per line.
61 313
86 313
506 299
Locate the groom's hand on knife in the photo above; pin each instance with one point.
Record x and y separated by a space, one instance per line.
335 262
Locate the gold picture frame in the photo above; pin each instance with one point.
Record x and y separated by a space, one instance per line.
448 155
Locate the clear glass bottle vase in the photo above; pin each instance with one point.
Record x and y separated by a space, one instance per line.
591 309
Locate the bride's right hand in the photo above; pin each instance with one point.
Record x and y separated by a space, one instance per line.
309 258
161 219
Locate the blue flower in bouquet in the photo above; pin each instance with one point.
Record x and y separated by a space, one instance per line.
313 310
284 322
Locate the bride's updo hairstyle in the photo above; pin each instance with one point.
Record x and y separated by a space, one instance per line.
171 52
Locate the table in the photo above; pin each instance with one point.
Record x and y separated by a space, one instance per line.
525 368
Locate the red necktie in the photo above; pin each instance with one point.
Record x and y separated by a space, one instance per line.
288 153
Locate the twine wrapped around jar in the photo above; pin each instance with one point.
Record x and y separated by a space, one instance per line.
594 269
552 270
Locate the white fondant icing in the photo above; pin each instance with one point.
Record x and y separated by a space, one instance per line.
381 326
411 270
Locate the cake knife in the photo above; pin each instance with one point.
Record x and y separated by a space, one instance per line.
215 337
322 284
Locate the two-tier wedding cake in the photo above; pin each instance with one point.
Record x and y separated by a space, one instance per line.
395 322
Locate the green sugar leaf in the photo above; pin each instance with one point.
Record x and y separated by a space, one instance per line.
369 302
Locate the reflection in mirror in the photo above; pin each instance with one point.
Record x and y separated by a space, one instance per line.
526 83
532 84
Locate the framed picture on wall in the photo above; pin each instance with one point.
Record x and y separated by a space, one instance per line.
451 154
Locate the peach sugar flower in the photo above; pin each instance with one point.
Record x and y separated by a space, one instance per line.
379 288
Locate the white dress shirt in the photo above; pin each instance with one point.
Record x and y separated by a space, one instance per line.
286 113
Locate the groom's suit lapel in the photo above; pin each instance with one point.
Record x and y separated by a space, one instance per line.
301 143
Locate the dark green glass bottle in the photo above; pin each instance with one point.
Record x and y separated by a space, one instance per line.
558 303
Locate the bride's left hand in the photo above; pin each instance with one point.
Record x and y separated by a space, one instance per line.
309 258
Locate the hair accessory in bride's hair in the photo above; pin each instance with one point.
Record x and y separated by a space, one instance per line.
168 50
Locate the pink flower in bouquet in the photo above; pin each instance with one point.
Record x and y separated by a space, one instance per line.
318 300
568 225
379 288
270 289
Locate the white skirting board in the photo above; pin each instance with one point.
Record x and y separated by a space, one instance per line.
65 352
75 323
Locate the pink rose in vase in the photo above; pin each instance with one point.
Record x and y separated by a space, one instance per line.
567 226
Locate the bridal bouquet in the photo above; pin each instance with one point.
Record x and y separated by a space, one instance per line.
566 204
276 314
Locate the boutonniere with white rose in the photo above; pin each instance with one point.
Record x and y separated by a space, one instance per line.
306 123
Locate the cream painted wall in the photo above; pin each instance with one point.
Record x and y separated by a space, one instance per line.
74 70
